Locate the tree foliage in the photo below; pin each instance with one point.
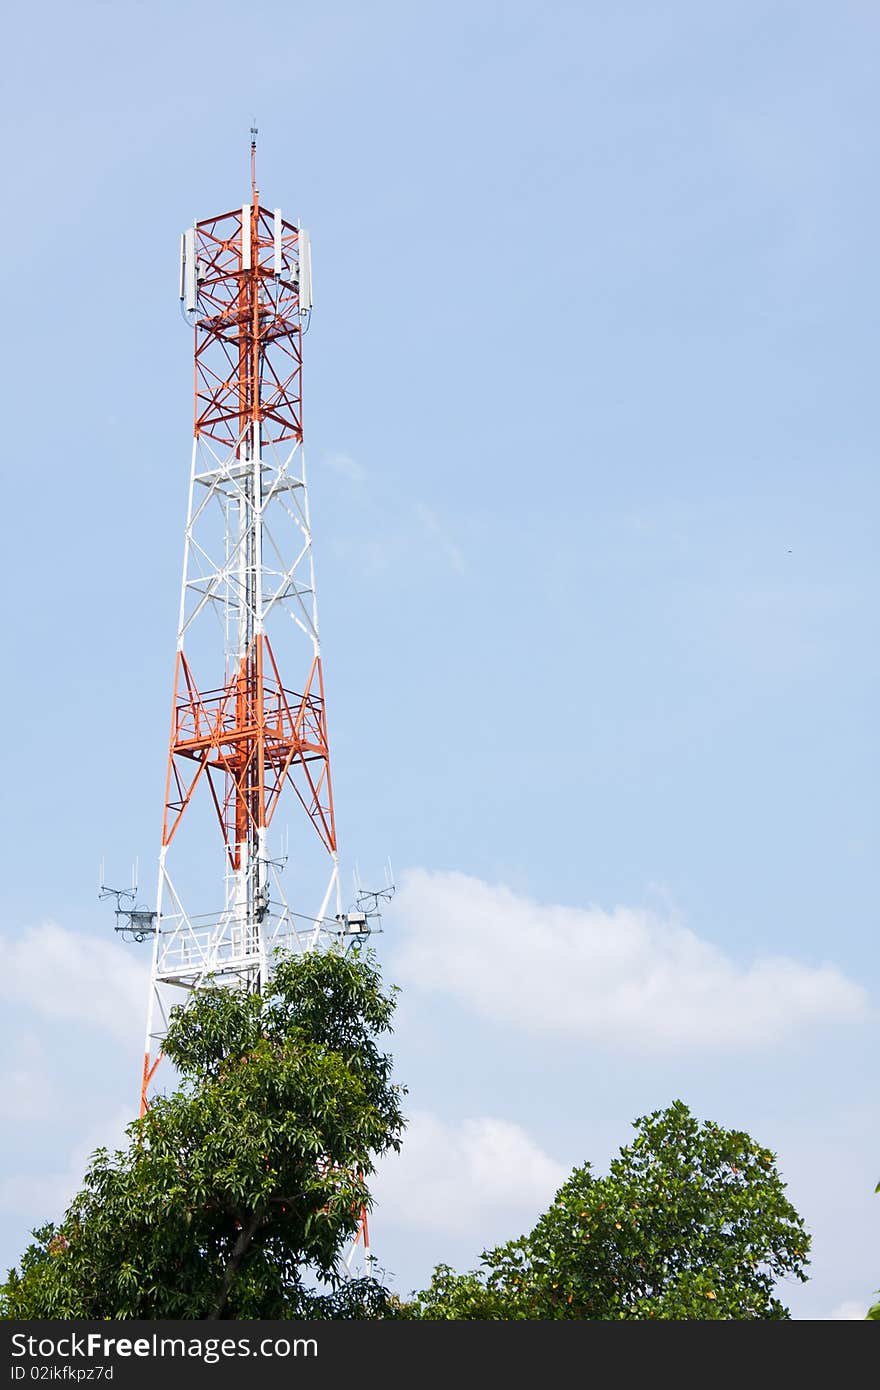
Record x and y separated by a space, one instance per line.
247 1180
691 1222
873 1313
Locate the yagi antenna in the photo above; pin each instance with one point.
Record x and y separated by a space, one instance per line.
134 922
365 918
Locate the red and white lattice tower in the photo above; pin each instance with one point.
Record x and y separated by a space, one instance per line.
248 725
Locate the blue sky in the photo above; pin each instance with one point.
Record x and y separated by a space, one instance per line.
590 409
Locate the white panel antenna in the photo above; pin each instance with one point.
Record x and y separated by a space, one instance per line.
305 271
246 237
188 276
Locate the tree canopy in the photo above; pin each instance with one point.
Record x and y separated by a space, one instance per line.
690 1222
245 1182
873 1312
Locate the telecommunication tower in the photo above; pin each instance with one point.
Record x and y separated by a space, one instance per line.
249 722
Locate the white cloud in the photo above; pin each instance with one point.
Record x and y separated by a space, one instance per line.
65 975
346 466
849 1312
434 527
626 978
457 1179
27 1092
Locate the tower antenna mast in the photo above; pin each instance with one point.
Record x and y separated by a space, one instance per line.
248 721
248 717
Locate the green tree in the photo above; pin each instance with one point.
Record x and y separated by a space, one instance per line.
245 1183
690 1222
873 1312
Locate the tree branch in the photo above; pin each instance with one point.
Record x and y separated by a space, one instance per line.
239 1250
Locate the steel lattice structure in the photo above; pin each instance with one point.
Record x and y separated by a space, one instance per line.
249 718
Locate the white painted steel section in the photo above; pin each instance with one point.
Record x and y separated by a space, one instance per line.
277 258
216 566
257 505
186 546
